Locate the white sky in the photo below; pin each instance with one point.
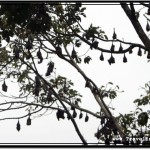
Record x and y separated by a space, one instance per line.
129 76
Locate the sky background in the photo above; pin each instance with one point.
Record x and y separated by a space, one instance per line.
129 76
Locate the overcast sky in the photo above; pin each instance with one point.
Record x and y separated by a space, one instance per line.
129 76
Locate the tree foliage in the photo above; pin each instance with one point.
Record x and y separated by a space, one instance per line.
32 32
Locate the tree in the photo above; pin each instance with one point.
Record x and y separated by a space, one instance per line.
38 31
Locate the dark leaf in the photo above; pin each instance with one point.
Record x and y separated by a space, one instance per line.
130 51
95 44
29 121
39 55
36 91
87 59
50 69
60 114
120 48
148 55
139 52
112 48
114 35
4 87
72 108
68 116
74 115
37 81
18 126
111 60
147 26
101 57
28 45
124 59
86 118
81 115
59 50
73 54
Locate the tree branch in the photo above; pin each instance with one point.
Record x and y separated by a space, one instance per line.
138 28
97 96
55 94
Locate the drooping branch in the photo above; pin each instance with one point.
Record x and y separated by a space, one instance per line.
96 95
34 112
82 109
56 95
91 85
106 40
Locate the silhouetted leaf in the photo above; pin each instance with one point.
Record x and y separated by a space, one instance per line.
58 50
111 60
39 55
28 121
139 52
74 115
87 59
147 26
114 35
86 118
18 126
4 87
60 114
73 54
81 115
50 69
120 48
124 59
112 48
94 45
101 57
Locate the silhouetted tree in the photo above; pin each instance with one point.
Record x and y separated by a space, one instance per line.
39 30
